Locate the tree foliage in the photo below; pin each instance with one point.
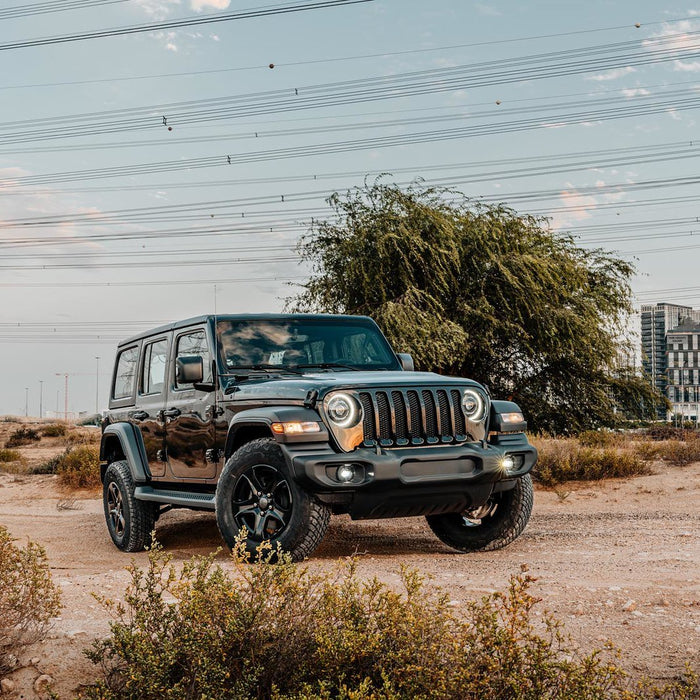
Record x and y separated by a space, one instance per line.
482 292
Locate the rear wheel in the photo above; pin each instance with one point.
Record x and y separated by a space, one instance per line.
491 526
130 522
256 493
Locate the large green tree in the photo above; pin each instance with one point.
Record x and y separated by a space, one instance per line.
481 292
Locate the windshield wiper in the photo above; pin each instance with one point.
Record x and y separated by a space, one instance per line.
327 365
267 368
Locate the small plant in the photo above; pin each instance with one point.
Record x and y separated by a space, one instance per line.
28 597
49 466
79 467
10 456
54 430
276 630
22 436
600 438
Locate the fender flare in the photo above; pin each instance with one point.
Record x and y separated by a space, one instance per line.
132 447
265 416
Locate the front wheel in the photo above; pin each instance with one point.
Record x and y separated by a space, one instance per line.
256 493
491 526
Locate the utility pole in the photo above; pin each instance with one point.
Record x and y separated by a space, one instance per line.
97 385
65 393
26 401
41 398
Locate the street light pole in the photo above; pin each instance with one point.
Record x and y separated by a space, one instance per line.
41 398
65 394
26 401
97 385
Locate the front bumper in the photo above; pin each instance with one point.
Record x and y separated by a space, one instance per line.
410 481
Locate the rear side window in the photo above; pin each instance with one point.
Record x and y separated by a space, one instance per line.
194 343
125 376
155 356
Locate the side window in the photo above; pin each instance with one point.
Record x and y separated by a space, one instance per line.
194 343
126 373
155 356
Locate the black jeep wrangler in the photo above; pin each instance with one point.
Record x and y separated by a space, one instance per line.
275 422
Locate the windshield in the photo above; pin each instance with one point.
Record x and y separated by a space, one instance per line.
323 343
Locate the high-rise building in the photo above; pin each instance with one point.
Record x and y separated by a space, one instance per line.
657 321
683 389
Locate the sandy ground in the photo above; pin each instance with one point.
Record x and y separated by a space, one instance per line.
614 560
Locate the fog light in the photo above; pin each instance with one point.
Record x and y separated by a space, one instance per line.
507 463
346 473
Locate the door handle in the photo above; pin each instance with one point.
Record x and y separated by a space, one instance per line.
138 415
170 413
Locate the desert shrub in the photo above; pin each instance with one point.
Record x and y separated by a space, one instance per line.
50 465
648 451
10 456
28 597
22 436
679 453
663 431
10 419
54 430
79 467
566 460
277 630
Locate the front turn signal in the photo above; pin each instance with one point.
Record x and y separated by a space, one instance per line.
296 428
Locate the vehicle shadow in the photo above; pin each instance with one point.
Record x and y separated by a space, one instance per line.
185 533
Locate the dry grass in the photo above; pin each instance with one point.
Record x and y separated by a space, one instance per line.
79 467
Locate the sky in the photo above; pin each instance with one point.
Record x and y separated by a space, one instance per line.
153 176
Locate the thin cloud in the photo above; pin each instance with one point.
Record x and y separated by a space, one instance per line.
487 10
199 5
613 74
635 92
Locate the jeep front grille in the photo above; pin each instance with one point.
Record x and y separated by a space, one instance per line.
411 417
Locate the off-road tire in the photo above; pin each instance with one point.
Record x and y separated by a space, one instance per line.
131 533
308 518
495 531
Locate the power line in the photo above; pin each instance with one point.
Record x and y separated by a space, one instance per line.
645 106
179 23
42 8
160 76
534 67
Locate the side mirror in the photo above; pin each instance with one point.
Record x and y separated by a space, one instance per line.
189 369
406 362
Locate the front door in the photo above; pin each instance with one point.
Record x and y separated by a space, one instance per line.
190 415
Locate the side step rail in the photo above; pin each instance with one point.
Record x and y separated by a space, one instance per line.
201 501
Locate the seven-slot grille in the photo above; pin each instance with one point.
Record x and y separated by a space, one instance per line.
405 417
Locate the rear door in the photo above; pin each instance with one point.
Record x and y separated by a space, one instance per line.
150 400
190 414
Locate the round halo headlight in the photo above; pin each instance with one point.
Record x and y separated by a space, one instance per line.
474 405
343 410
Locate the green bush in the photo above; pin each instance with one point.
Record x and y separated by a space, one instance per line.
28 597
79 467
10 456
277 630
566 460
54 430
22 436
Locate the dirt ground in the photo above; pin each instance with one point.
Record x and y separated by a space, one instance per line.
618 559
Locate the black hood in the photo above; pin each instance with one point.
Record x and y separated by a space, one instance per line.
296 387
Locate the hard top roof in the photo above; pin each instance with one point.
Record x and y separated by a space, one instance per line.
196 320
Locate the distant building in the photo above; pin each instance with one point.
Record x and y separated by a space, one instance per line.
658 320
683 390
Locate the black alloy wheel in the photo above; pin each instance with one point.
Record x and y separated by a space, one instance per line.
257 495
262 502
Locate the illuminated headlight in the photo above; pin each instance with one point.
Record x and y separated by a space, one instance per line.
343 410
507 463
474 405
